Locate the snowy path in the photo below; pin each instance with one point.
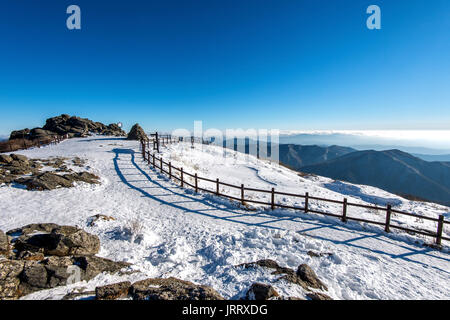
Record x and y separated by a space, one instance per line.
200 237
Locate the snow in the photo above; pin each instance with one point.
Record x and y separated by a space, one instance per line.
165 230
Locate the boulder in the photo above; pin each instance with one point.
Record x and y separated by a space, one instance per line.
61 241
261 291
307 274
113 291
5 159
93 219
9 279
4 244
137 133
318 296
19 134
32 228
45 181
172 289
19 158
41 134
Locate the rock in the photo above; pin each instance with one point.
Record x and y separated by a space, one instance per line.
267 263
41 134
5 159
19 158
51 181
260 291
9 281
113 291
172 289
4 244
137 133
318 296
31 228
93 265
68 240
30 256
305 273
19 134
62 241
45 181
319 254
93 219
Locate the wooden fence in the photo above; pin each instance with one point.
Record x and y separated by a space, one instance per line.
22 144
170 170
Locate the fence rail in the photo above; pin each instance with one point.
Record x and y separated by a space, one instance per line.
23 144
159 163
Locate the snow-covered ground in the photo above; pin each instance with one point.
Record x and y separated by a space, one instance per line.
199 237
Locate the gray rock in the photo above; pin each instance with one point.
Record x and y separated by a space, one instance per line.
113 291
19 157
261 291
19 134
137 133
172 289
307 274
62 241
9 279
5 159
4 244
318 296
31 228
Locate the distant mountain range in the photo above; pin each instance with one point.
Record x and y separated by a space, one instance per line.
392 170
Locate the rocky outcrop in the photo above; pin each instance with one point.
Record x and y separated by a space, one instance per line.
68 125
307 274
113 291
14 166
305 277
136 133
261 291
171 289
4 244
50 181
48 255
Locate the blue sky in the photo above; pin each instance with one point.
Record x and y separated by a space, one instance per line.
252 64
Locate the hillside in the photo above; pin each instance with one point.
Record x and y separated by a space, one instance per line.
392 170
296 156
165 230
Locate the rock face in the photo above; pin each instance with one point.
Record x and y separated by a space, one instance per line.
136 133
171 289
48 255
307 274
305 277
50 181
4 244
113 291
260 291
13 166
61 241
70 125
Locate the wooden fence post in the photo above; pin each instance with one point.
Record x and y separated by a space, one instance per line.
388 217
154 164
196 183
217 186
182 181
306 202
273 199
148 156
344 211
170 170
440 228
161 164
242 194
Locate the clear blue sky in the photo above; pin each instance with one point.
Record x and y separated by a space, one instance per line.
235 63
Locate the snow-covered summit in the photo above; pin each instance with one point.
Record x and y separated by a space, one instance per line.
200 238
